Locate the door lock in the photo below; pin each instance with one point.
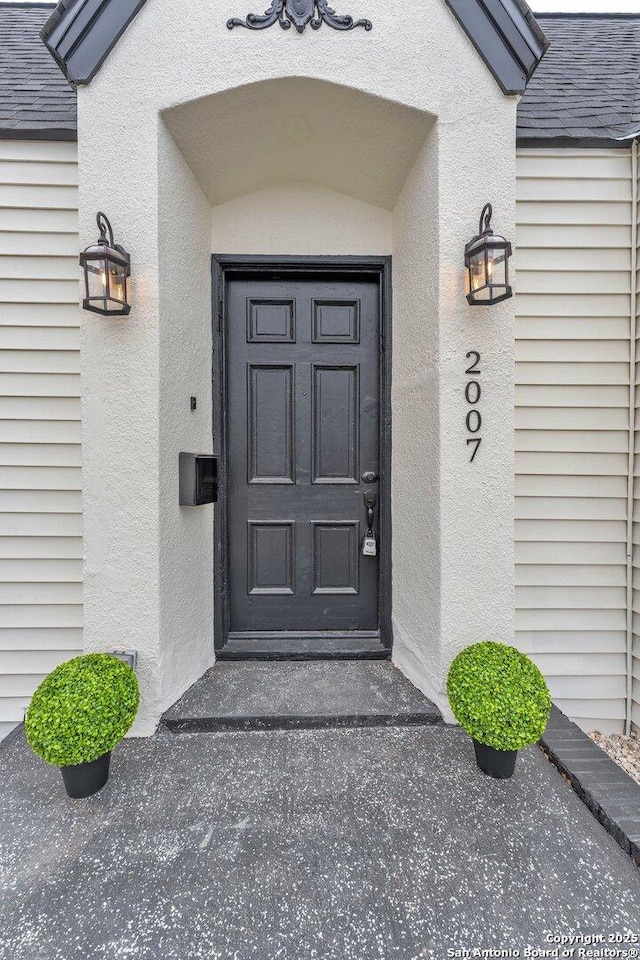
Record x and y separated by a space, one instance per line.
369 477
369 545
370 499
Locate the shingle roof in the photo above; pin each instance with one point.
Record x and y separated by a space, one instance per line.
588 84
36 101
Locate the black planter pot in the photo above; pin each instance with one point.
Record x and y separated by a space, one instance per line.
495 763
84 779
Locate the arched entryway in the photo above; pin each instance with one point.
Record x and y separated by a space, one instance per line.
307 169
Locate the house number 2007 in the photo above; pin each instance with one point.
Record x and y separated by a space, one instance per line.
472 394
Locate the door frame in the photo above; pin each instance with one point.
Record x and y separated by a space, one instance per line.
223 268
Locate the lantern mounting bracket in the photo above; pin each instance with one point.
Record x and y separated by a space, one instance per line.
484 226
103 226
106 234
485 220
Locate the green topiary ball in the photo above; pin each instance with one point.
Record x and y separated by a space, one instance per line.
498 696
82 709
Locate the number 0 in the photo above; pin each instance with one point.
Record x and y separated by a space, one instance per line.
474 421
472 391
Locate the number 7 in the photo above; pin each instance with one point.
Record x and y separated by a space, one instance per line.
477 441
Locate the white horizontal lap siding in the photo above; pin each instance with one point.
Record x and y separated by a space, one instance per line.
635 673
572 419
40 495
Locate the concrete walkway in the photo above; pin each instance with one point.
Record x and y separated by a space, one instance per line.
324 844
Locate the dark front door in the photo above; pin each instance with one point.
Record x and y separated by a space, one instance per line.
303 447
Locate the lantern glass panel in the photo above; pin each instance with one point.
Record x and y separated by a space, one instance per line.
488 272
477 271
96 279
497 266
117 279
106 284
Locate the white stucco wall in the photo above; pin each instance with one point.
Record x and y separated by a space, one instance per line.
416 508
453 539
300 219
460 589
186 534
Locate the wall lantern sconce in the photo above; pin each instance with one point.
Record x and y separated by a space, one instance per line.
486 258
107 267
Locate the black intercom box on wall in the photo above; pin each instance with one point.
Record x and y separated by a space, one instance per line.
198 479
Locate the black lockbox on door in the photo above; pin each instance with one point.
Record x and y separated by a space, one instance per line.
198 479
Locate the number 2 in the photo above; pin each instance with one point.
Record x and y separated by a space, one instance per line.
473 367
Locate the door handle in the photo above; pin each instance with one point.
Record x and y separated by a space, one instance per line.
370 499
369 477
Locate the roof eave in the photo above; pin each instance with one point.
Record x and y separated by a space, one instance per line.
42 133
580 143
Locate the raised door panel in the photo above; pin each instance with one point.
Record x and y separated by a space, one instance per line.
335 557
271 321
271 423
335 392
336 321
271 558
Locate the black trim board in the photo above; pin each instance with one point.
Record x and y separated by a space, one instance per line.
611 795
80 34
222 266
506 36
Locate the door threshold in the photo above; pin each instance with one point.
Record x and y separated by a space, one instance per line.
303 648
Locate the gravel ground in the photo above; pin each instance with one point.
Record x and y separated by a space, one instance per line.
624 750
